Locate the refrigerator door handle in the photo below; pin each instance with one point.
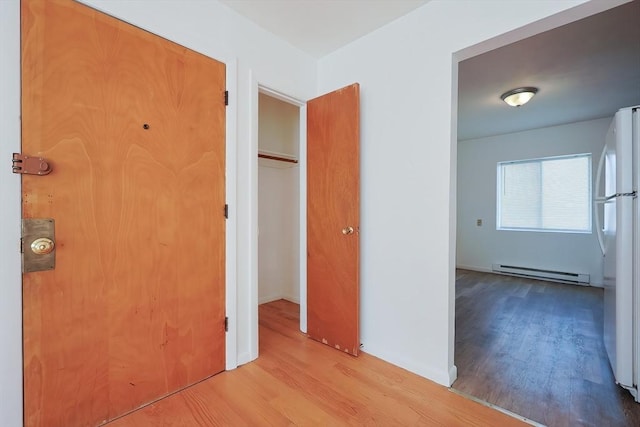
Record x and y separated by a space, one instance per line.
599 232
598 200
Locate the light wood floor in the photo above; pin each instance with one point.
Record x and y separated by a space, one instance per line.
297 381
536 349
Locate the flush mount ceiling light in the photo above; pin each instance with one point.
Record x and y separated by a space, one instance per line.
519 96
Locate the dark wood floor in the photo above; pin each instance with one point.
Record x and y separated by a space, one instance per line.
535 348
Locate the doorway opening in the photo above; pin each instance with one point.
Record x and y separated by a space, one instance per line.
281 201
523 344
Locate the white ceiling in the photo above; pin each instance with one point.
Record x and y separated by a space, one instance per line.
584 70
319 27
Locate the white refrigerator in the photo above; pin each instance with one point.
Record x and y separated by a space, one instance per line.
619 237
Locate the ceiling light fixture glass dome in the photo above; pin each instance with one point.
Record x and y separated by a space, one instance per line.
519 96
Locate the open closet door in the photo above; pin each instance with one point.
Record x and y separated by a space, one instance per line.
333 219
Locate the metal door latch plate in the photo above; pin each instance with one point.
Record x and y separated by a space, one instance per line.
30 165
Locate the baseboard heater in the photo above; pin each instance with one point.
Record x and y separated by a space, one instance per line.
537 273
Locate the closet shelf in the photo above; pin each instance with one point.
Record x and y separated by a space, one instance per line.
277 156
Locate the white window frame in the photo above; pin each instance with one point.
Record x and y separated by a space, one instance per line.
499 179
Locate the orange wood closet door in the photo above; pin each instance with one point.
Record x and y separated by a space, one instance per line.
134 128
333 219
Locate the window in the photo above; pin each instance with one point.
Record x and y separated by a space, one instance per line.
549 194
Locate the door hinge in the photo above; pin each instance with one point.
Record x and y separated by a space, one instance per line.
226 97
30 165
226 324
226 211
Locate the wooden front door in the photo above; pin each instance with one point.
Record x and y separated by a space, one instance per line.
134 128
333 219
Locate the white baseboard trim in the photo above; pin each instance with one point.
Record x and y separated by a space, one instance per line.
269 298
442 377
475 268
292 298
490 270
453 374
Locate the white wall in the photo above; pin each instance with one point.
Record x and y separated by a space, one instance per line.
278 202
407 72
479 247
278 232
279 126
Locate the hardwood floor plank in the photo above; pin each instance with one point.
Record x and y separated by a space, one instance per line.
300 411
236 391
536 348
297 381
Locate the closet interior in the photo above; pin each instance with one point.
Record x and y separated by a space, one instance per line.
278 200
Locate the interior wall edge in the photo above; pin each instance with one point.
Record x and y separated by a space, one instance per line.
453 374
11 409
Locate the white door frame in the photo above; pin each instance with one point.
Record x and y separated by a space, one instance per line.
231 230
302 182
553 21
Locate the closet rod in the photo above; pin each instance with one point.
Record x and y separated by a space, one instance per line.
281 159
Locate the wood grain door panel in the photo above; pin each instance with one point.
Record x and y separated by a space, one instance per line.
333 205
133 126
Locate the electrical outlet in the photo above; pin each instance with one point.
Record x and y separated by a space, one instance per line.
479 223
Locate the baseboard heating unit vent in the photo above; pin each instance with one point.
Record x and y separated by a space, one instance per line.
537 273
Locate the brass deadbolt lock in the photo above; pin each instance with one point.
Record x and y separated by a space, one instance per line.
42 246
38 247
